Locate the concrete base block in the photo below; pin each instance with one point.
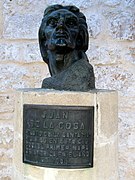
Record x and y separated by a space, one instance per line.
105 134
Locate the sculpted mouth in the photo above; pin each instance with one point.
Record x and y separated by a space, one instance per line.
61 42
60 35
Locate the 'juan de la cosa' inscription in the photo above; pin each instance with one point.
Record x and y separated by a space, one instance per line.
58 136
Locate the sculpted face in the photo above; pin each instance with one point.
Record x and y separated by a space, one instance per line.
63 41
61 31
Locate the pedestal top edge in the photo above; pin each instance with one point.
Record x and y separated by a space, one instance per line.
41 90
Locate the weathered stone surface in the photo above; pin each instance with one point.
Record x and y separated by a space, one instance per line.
108 149
104 54
114 77
107 109
6 155
127 157
111 3
5 171
32 53
21 26
126 130
10 52
126 145
83 4
7 103
130 3
34 95
36 73
22 19
6 136
10 74
127 103
122 26
130 55
6 116
20 52
12 7
6 143
19 76
131 139
1 18
94 25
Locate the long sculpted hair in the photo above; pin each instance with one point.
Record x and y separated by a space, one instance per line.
82 39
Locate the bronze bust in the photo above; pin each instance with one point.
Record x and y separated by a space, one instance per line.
63 40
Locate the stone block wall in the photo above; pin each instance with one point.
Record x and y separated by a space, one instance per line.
111 26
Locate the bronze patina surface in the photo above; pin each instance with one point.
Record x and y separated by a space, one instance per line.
63 40
58 136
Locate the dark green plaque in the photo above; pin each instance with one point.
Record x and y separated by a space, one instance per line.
58 136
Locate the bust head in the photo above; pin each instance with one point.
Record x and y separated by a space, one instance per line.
63 29
63 40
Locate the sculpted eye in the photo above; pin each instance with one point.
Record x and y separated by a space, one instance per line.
71 22
52 22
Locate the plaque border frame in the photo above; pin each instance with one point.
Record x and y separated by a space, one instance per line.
61 107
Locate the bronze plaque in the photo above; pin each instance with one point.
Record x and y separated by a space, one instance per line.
58 136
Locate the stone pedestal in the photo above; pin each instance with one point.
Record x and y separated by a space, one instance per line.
105 134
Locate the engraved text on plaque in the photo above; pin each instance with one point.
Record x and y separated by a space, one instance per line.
58 136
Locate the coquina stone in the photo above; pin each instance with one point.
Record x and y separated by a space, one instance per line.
7 103
1 19
21 26
5 171
32 53
130 3
130 55
120 77
122 26
111 3
94 26
83 4
12 7
104 54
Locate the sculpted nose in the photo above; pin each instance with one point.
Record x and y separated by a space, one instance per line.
60 25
